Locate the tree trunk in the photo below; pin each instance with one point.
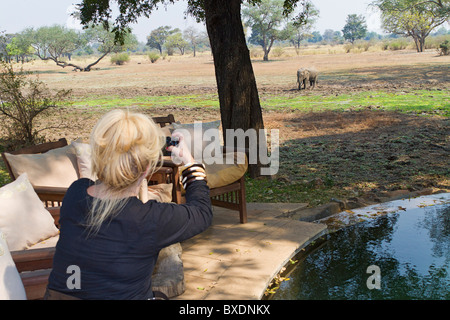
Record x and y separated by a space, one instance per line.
419 42
238 95
422 43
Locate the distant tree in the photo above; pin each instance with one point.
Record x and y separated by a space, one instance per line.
372 35
332 36
315 37
266 21
416 19
298 32
176 40
4 40
105 41
53 43
20 47
355 28
328 35
194 37
158 37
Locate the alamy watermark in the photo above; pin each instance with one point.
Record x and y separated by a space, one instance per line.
373 281
74 280
205 146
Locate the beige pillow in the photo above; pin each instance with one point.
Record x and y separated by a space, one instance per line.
196 142
23 218
47 243
11 286
219 175
223 174
55 168
83 152
160 192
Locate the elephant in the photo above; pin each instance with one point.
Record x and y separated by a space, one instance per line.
302 78
313 75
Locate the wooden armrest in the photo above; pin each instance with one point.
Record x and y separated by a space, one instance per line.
50 190
50 194
164 170
167 162
33 259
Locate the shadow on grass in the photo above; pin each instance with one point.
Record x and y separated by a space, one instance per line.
439 73
343 155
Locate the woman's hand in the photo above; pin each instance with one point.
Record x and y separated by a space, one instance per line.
181 152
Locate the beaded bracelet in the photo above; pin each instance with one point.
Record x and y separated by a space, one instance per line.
188 183
193 169
192 175
194 165
193 172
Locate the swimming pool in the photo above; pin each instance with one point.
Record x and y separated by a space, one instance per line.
395 250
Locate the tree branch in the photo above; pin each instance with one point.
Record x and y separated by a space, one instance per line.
88 68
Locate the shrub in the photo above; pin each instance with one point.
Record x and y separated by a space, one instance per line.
277 52
348 47
256 53
120 58
398 44
22 100
444 48
153 57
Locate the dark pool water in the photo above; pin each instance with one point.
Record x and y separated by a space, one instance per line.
409 249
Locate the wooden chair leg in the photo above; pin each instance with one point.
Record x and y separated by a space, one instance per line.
242 202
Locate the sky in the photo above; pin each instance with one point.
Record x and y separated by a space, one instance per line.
37 13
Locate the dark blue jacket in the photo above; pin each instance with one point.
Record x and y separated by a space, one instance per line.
118 261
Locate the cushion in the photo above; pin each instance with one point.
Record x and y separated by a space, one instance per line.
54 168
196 141
23 218
160 192
83 152
222 174
11 286
47 243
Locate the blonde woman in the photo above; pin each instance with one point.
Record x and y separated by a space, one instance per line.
110 240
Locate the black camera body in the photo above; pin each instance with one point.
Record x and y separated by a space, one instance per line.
170 142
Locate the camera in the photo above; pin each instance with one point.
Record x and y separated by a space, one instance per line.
170 142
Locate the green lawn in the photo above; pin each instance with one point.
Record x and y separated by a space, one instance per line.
413 101
417 101
111 102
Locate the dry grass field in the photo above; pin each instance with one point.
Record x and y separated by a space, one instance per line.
362 141
187 74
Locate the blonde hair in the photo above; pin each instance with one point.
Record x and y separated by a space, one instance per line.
125 146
